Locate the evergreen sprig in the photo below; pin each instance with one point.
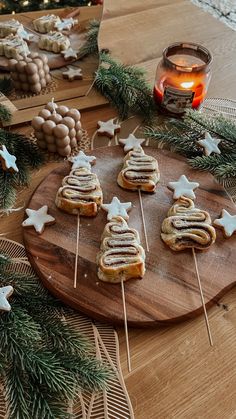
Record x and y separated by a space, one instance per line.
27 156
6 85
90 46
5 114
43 361
181 135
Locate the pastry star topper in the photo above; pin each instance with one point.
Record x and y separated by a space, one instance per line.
82 160
210 144
38 218
108 128
183 188
131 142
66 24
117 208
69 53
5 292
227 222
8 160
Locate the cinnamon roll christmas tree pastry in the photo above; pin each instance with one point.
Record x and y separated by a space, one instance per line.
187 227
80 192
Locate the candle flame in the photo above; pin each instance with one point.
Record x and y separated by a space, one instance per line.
187 84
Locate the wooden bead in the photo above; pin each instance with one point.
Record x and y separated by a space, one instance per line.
61 131
45 113
39 135
52 148
72 133
37 123
62 110
75 114
64 151
69 122
31 68
48 127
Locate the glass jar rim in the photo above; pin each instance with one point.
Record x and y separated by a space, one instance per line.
193 49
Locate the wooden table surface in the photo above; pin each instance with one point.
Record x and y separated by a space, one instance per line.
175 372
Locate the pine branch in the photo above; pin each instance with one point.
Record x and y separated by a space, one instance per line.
211 163
91 45
6 85
226 171
5 113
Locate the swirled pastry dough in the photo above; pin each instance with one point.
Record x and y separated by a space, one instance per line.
121 256
80 193
140 171
187 227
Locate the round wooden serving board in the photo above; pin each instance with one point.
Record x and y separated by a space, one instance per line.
168 292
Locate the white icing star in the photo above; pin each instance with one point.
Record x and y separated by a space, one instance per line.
228 222
131 142
66 24
210 144
183 188
117 208
69 53
5 292
73 74
38 218
24 34
108 128
9 161
82 160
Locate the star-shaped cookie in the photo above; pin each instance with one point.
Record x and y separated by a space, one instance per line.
210 144
227 222
73 74
131 142
38 219
117 208
82 160
5 292
182 187
8 160
69 53
66 24
108 128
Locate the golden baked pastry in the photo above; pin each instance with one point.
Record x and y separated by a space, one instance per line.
140 171
121 256
80 193
187 227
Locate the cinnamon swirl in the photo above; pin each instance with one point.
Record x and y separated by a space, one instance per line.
187 227
121 256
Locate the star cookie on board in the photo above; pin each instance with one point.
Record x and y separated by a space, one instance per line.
117 208
66 24
210 144
69 53
131 142
73 74
227 222
108 128
5 292
24 34
182 187
8 160
82 160
38 219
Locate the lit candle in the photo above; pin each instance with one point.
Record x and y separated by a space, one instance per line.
182 77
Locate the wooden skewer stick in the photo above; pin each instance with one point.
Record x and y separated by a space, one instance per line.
125 325
143 219
202 298
77 251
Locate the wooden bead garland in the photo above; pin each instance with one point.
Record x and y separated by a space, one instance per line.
31 73
57 129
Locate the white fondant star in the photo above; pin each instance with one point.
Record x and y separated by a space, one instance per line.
228 222
66 24
69 53
183 188
117 208
5 292
210 144
131 142
108 128
9 161
82 160
38 218
73 74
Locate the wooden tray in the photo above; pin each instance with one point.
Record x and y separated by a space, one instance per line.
169 291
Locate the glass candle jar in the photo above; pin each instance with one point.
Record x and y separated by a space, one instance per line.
182 77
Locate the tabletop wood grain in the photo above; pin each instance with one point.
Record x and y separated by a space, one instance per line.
175 372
